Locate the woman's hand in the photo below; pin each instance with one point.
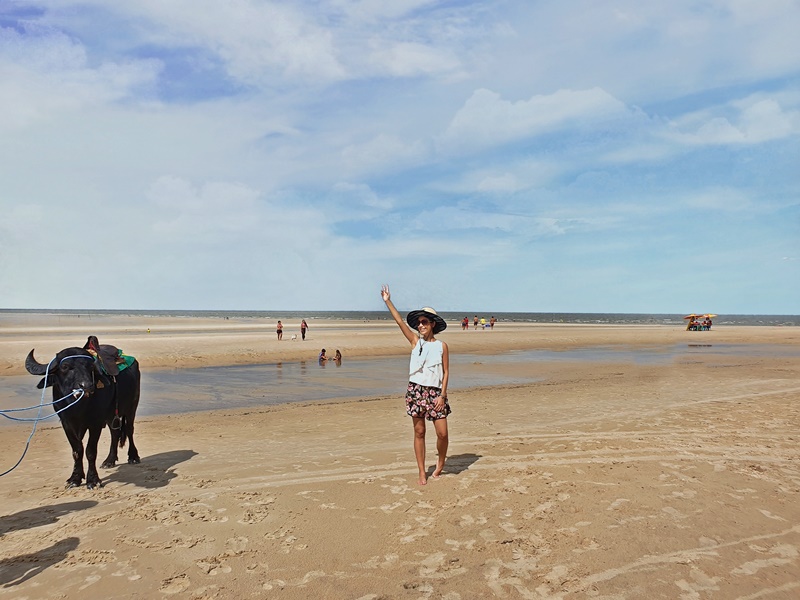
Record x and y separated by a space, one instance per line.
385 293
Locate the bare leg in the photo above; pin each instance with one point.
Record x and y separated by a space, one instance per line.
442 441
419 448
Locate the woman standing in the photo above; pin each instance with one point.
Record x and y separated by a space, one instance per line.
303 327
429 372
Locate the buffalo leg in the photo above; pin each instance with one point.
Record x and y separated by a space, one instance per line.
111 459
76 442
92 476
133 453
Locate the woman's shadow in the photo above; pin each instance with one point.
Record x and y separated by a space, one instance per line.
155 471
459 463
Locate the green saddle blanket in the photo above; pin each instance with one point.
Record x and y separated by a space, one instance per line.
127 361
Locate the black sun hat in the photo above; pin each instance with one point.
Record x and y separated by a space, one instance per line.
439 324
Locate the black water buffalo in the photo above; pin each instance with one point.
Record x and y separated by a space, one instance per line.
107 400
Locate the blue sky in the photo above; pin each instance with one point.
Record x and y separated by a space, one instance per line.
519 155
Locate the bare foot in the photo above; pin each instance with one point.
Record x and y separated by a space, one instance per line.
423 479
437 472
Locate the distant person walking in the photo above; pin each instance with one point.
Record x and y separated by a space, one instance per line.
475 321
492 321
303 327
465 324
280 330
429 373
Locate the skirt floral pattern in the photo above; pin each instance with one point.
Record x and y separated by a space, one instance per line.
421 401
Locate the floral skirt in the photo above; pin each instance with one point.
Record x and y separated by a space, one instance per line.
421 402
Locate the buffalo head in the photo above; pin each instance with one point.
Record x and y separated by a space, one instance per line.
71 369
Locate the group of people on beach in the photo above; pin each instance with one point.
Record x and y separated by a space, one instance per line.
323 358
482 323
698 325
303 329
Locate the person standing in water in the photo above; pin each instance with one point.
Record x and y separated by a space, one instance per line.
429 373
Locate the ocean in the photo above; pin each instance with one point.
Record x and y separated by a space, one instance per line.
453 318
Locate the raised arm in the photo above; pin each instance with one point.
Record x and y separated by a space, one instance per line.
410 335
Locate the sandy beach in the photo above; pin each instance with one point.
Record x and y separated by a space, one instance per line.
613 479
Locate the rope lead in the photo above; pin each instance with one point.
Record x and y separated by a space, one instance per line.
78 394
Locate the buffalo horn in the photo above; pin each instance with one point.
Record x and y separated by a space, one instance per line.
34 367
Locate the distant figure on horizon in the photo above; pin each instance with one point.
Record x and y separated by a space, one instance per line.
475 321
280 330
492 321
465 324
483 323
303 327
429 374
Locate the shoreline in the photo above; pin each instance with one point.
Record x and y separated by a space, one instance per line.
184 342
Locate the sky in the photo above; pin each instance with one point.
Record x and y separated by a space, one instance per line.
488 155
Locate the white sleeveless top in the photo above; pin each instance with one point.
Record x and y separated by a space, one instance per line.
425 367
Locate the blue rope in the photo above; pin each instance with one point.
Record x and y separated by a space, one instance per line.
38 418
73 356
40 406
10 410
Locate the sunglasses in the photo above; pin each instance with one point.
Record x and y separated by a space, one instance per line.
423 322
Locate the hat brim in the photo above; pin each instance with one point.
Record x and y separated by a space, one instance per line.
439 324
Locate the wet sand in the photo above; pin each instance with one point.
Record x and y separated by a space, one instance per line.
600 479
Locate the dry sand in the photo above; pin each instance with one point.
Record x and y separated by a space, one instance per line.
674 479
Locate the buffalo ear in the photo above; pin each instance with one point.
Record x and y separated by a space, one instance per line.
40 385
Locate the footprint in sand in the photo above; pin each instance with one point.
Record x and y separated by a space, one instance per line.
455 545
175 585
384 562
236 545
438 566
256 511
213 565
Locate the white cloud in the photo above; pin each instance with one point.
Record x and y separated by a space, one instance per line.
270 44
383 152
254 39
213 208
487 120
755 121
508 176
500 224
409 59
47 74
358 195
765 120
371 11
